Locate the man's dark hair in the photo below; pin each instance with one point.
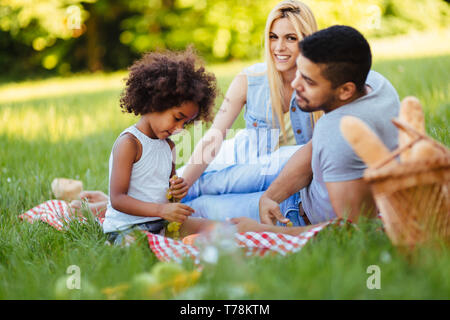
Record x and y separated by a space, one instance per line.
343 50
162 80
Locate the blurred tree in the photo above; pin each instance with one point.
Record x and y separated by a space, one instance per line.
72 35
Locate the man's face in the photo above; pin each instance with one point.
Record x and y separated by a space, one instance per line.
313 91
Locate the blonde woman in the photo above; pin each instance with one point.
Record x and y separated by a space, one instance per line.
275 126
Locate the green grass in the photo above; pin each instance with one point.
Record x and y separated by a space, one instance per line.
71 135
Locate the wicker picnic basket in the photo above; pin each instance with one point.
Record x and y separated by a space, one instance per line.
413 197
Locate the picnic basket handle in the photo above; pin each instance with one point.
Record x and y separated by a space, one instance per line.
417 136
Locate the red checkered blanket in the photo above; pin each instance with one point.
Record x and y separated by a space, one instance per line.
58 214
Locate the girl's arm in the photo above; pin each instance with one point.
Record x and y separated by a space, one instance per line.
126 152
210 144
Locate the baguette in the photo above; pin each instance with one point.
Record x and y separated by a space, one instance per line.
410 112
423 150
67 189
363 140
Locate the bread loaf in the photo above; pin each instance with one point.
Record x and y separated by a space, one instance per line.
423 150
363 140
411 113
67 189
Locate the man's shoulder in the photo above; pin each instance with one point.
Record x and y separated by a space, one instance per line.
326 135
327 124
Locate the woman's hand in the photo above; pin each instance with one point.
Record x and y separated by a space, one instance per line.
96 202
178 188
175 212
93 196
244 224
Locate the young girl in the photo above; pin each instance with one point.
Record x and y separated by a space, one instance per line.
167 90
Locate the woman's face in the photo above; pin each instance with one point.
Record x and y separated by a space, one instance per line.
284 45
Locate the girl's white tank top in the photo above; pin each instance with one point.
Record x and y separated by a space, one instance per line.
149 180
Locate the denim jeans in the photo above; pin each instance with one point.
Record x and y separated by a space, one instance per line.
235 190
233 205
119 237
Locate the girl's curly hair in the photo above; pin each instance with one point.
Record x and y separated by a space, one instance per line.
163 80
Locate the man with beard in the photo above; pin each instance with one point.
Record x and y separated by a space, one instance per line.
333 75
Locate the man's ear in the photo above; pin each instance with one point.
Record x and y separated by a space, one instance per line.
346 91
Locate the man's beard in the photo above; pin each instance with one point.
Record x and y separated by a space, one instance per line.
325 106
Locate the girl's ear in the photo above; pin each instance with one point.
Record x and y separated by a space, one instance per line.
346 91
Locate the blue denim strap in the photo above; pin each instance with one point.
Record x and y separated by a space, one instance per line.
290 209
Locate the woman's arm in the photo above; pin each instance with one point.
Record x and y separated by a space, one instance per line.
178 188
210 144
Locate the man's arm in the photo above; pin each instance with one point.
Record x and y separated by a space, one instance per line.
296 174
351 199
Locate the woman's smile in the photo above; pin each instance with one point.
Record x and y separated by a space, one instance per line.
284 44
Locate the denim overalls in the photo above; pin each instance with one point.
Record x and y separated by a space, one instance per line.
258 111
232 189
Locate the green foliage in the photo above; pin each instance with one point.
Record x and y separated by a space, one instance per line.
64 36
378 18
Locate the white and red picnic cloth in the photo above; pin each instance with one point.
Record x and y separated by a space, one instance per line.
57 214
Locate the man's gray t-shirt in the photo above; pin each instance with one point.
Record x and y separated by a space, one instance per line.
333 159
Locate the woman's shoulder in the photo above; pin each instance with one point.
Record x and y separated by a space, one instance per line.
255 70
256 74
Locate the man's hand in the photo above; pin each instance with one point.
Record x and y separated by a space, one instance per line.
269 211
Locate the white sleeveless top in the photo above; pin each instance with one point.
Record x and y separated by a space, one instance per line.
149 180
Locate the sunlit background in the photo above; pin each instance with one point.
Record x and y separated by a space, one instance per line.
63 62
61 36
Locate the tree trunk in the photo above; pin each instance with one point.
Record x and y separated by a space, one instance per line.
94 49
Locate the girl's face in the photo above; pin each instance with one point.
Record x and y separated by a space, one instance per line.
162 125
284 45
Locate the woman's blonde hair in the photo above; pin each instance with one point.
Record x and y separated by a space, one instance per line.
304 24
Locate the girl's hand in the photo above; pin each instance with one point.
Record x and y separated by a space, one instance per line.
176 212
178 188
